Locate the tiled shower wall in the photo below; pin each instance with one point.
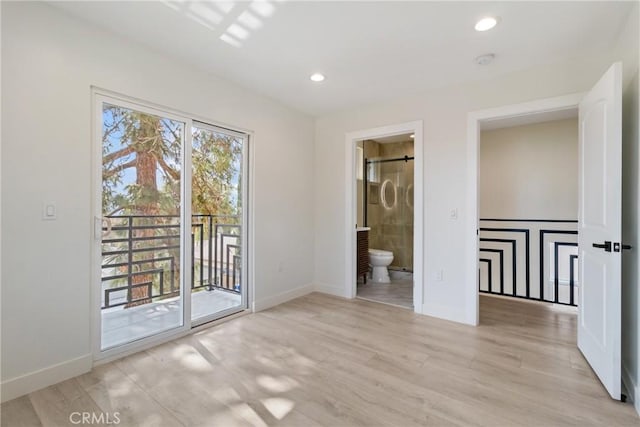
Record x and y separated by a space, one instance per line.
391 225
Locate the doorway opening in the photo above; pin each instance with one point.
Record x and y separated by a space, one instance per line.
599 219
384 190
385 202
528 208
509 116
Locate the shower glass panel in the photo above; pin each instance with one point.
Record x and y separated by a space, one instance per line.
389 210
396 211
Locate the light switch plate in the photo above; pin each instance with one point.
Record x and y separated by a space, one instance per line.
49 211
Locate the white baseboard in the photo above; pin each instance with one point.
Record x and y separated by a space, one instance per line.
337 291
446 313
633 389
42 378
283 297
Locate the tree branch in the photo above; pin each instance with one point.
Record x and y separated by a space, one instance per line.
111 172
172 172
110 129
121 208
173 132
117 154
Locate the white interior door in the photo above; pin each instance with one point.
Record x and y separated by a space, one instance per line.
599 233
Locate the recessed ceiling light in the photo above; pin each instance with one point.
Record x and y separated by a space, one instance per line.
412 136
317 77
486 23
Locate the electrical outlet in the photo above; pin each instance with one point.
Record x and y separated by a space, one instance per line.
453 213
439 275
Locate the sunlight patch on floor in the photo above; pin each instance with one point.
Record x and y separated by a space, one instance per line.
277 384
277 406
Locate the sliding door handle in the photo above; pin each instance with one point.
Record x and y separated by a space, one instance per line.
606 246
101 227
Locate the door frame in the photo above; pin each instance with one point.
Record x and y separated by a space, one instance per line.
475 119
188 326
350 245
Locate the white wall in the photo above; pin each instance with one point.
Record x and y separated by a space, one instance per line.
444 113
631 259
0 199
530 171
49 62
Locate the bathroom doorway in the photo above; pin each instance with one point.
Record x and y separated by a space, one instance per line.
355 176
385 203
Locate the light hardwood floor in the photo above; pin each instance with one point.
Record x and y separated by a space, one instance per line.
325 361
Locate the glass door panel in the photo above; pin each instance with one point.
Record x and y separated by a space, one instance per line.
141 245
217 160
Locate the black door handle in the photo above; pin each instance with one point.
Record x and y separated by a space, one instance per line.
616 247
606 246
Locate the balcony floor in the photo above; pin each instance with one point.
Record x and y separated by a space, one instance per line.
120 325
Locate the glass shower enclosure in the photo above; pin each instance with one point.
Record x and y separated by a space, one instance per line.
388 199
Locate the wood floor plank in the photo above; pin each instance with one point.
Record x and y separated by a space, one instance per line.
56 404
325 361
114 393
19 413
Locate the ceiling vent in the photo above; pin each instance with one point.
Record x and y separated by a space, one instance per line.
484 59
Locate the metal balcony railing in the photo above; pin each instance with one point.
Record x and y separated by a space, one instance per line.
534 259
141 253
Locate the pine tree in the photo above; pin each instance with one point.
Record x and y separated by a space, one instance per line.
141 173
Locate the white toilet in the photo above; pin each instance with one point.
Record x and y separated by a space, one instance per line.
380 260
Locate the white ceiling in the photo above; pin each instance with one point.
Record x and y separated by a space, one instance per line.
369 51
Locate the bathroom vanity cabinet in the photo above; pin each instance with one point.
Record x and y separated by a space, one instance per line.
363 252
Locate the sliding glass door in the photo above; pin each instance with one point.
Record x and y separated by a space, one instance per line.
141 240
217 222
170 223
